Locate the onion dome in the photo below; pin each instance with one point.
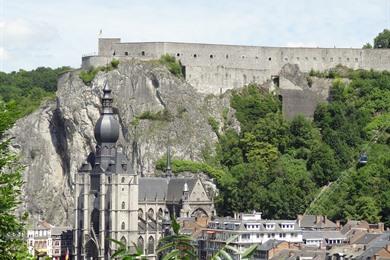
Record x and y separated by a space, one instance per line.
107 127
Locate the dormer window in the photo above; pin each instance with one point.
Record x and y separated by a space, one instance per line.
270 226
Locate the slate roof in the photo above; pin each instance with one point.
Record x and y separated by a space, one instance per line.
152 188
367 238
323 234
272 243
176 185
163 189
310 222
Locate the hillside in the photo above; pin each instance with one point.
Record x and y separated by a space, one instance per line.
259 160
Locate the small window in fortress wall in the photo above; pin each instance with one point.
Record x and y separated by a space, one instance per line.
227 56
331 59
306 58
178 54
314 58
286 59
126 53
269 58
211 56
242 57
195 55
347 59
113 54
142 53
297 58
257 57
356 59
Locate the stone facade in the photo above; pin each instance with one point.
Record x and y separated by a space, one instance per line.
112 201
214 68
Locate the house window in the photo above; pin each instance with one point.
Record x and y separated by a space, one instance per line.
123 226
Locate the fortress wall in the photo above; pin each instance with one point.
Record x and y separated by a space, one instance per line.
212 68
94 61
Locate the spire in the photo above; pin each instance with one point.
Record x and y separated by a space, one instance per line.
169 169
107 100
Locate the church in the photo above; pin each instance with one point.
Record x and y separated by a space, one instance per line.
113 201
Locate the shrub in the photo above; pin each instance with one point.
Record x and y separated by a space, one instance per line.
163 115
88 76
172 64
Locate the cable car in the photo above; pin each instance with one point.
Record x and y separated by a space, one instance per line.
363 158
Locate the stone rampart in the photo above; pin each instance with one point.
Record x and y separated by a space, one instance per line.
214 68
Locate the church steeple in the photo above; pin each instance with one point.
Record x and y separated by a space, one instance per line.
107 127
168 171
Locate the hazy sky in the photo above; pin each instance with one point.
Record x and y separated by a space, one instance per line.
56 33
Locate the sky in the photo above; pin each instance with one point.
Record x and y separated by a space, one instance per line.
57 33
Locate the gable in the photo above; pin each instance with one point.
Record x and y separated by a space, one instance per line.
198 192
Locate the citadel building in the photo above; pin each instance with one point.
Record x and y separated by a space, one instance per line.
214 68
112 201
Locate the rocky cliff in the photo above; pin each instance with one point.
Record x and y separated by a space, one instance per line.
153 107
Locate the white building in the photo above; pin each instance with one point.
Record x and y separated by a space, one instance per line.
250 229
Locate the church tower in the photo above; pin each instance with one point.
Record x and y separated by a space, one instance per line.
106 193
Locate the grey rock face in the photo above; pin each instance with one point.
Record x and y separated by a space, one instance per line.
55 140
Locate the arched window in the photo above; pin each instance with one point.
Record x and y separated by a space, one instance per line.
123 226
123 240
150 213
123 205
151 245
160 212
140 244
140 213
123 180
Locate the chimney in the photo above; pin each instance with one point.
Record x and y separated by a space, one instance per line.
318 219
338 225
381 227
299 218
325 219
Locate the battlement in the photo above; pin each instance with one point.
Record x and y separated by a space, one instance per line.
214 68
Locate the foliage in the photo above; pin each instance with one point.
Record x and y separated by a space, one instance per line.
367 46
172 64
382 40
214 124
176 246
12 244
124 253
163 115
251 104
23 91
223 252
189 166
87 76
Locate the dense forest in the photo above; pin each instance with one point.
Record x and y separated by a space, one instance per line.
23 91
284 168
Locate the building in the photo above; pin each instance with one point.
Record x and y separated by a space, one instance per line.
214 68
250 229
112 201
48 240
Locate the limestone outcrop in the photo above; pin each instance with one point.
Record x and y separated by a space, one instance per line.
153 106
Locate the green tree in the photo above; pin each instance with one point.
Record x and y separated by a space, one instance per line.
12 230
367 46
124 253
382 40
176 246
